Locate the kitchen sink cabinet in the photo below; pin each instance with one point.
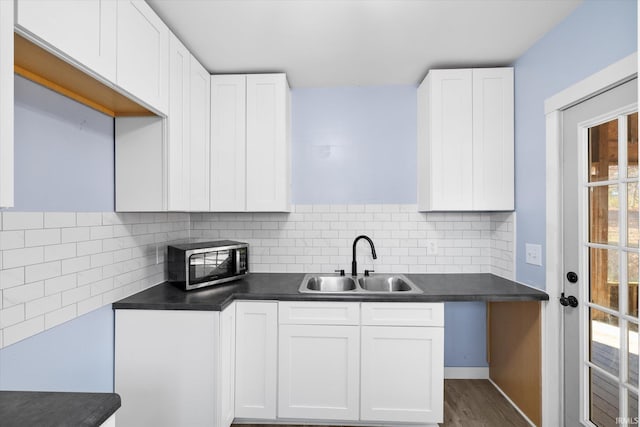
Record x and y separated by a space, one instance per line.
82 32
466 140
256 359
143 54
319 372
250 143
174 367
6 103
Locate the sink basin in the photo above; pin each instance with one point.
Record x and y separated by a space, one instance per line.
328 284
384 283
379 283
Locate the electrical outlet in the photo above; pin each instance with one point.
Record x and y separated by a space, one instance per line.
533 254
432 247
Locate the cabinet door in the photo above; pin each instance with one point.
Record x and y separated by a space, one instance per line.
228 143
165 367
402 374
227 365
319 370
451 139
83 31
6 103
256 359
143 54
493 179
268 143
198 170
178 126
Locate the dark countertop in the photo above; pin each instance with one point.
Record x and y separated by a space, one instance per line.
284 287
56 409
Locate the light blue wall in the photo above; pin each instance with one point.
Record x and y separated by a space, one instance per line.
465 334
354 145
595 35
64 153
75 356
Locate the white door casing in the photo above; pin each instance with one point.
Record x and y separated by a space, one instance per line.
619 72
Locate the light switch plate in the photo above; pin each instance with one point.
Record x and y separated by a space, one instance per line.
432 247
533 254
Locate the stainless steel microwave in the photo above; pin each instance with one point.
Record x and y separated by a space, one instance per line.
195 265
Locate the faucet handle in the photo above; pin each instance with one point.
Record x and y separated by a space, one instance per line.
366 272
340 271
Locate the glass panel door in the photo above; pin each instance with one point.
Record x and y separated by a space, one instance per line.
610 365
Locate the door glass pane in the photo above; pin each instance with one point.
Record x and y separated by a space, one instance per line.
604 399
632 145
632 273
603 214
603 152
603 272
632 215
605 341
633 405
632 343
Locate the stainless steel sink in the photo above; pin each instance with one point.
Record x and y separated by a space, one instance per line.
386 283
329 284
374 284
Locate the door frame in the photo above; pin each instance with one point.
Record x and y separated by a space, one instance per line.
552 352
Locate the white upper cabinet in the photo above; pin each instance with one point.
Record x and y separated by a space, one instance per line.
199 116
465 140
6 103
143 54
178 126
82 32
228 143
493 140
250 143
268 143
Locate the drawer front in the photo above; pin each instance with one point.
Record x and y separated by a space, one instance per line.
403 314
319 313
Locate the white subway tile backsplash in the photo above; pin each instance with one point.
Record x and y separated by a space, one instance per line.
86 219
42 271
82 261
20 257
11 239
59 219
22 220
58 252
43 305
41 237
22 330
23 293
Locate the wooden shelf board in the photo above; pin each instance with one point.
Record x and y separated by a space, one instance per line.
40 66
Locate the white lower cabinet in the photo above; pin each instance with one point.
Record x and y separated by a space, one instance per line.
402 374
319 372
256 359
174 367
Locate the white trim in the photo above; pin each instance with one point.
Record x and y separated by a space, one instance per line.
512 403
618 72
466 373
552 352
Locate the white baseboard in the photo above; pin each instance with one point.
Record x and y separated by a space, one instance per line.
512 403
466 373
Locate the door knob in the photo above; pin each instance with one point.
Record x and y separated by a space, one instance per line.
572 277
568 301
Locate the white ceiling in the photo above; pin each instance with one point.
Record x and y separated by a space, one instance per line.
358 42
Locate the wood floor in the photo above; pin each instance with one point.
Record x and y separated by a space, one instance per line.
467 403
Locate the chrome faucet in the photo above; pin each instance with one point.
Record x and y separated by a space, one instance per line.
354 264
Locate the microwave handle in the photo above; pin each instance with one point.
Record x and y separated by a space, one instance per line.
237 251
